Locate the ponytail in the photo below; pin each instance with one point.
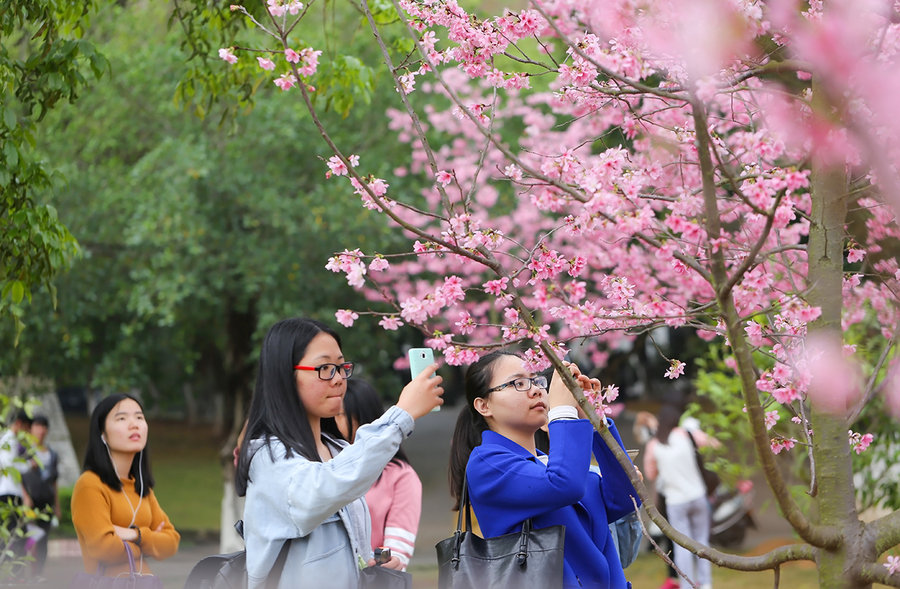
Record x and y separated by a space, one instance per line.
471 424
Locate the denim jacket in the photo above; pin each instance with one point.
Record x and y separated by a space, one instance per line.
317 506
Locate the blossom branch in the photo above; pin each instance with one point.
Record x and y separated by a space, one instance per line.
813 534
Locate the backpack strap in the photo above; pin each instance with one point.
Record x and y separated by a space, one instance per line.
278 567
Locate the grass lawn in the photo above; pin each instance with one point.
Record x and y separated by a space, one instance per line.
187 470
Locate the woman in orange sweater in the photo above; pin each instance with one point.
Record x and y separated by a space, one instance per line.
113 500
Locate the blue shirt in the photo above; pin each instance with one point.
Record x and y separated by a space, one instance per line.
507 485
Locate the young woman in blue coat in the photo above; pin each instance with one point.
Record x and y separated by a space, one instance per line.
510 480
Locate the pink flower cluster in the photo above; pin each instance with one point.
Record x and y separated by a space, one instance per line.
860 442
676 369
778 444
282 7
350 263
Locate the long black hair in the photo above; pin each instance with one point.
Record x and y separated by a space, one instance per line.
276 410
471 424
97 458
363 404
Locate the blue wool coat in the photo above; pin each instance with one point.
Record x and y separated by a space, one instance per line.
507 485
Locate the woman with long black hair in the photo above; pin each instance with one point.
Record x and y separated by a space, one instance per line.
510 480
113 500
304 484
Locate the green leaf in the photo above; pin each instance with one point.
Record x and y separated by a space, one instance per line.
17 292
12 154
9 118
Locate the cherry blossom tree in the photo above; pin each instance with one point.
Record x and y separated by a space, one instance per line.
593 170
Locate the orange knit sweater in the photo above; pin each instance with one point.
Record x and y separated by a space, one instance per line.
96 509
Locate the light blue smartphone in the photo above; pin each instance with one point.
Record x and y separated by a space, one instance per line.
419 360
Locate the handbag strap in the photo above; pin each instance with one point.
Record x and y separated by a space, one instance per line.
697 455
274 575
466 505
130 554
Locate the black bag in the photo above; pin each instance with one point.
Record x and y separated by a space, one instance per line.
220 571
130 580
378 577
710 479
529 558
229 571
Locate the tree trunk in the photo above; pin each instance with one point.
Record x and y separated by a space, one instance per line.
834 499
238 365
190 402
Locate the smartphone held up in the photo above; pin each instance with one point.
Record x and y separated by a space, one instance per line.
419 360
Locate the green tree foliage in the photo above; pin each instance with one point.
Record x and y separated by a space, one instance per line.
196 235
43 60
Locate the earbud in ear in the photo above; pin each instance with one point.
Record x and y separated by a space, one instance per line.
103 439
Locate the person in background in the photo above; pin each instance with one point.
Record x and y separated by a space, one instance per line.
645 426
395 500
113 500
40 485
510 480
13 497
304 484
670 457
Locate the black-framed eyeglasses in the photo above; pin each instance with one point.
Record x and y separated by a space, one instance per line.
523 384
327 371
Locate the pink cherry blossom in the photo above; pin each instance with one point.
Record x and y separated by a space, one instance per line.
856 255
444 178
378 187
310 58
265 63
496 287
228 55
391 323
379 264
346 317
282 7
286 81
337 166
291 56
676 369
465 325
456 356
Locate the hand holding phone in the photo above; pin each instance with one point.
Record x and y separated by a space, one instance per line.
423 394
419 360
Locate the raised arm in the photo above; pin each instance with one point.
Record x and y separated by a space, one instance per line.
306 493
